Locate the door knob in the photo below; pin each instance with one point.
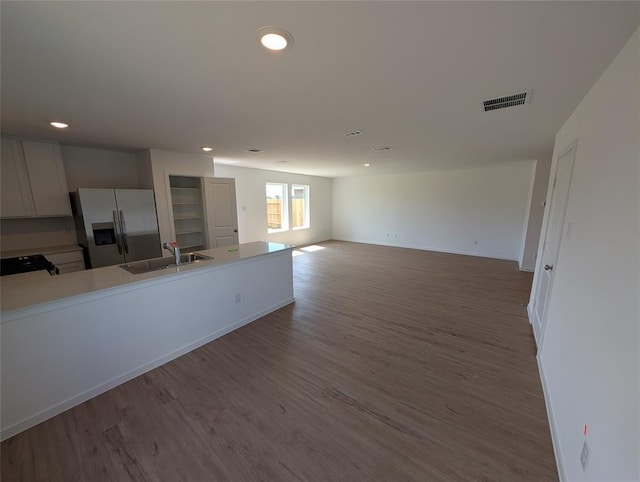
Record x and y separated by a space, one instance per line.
548 267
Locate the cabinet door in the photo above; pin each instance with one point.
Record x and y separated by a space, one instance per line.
48 181
16 200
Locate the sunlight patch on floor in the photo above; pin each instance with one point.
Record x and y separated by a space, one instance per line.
312 248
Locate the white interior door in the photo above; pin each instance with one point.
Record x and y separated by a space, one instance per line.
222 213
553 239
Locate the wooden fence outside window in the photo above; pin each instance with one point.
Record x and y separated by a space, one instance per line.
274 213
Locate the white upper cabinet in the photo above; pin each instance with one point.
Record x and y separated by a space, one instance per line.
33 180
16 201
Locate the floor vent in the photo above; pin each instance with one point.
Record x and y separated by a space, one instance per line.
508 101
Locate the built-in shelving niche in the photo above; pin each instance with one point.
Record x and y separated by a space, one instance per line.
188 215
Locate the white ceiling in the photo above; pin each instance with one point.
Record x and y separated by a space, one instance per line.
410 75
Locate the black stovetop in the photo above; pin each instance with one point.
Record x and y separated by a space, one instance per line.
25 264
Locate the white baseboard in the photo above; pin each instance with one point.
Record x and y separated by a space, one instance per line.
75 400
552 424
428 248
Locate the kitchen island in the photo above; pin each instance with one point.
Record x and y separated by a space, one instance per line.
68 338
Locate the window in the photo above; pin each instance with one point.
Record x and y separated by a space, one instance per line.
299 206
277 208
279 198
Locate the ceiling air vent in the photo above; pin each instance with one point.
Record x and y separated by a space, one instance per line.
508 101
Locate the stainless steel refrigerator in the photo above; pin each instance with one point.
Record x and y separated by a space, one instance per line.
116 226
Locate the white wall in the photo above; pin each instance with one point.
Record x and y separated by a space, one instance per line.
474 211
252 210
589 358
99 168
164 164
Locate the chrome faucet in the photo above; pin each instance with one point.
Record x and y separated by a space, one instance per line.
174 249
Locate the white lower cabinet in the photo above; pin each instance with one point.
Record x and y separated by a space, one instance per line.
67 261
33 180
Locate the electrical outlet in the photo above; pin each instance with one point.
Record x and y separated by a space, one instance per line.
238 298
584 456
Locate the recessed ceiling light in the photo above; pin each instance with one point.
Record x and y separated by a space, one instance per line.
274 38
253 150
59 125
352 133
366 164
207 149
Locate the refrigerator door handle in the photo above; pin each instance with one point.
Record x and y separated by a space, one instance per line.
116 225
123 229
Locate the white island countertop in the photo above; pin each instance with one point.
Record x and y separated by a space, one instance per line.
38 291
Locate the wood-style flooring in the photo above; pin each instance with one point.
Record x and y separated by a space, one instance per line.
392 365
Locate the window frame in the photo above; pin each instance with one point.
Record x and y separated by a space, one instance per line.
307 210
284 215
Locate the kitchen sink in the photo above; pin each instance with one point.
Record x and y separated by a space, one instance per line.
157 264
